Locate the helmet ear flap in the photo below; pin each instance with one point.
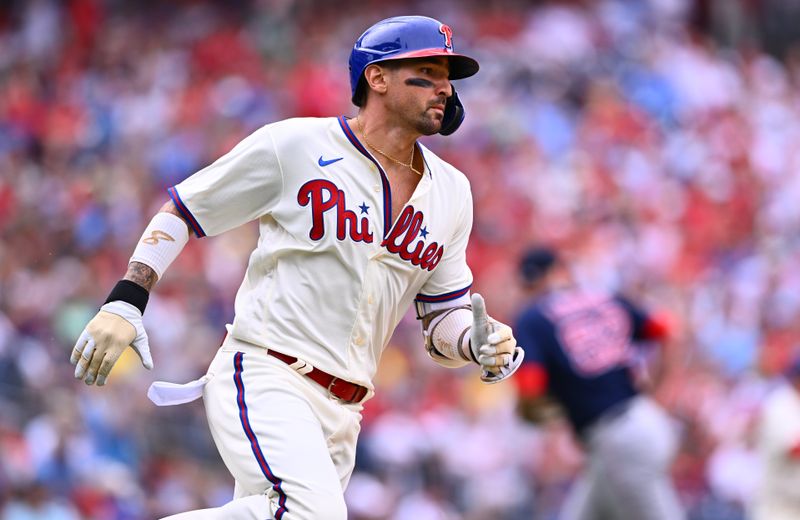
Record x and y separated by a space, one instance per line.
359 93
453 114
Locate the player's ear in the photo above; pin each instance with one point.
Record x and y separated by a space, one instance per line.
376 78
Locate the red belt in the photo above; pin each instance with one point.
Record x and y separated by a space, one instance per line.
339 388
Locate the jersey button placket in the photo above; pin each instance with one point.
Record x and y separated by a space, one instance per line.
360 341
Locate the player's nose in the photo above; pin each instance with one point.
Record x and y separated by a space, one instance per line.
444 88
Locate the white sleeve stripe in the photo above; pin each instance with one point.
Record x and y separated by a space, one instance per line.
424 308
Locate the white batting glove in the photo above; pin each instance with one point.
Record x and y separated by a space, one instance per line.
116 326
493 344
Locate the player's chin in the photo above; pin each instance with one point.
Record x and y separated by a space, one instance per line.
431 123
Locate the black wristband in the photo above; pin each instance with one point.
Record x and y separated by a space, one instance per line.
129 292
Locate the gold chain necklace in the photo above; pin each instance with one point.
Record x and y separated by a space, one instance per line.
409 165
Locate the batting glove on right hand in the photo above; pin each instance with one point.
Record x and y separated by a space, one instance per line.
116 326
493 344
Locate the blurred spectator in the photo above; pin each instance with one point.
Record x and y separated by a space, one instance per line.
778 497
35 502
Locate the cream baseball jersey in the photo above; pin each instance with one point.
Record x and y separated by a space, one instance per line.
331 275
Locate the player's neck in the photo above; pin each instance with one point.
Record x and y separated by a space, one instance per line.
381 133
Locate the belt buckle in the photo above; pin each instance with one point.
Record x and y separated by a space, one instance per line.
360 393
330 390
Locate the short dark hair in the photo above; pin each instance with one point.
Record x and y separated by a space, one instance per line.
536 262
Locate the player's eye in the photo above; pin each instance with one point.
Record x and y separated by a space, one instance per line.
426 70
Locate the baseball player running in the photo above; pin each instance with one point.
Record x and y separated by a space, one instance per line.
578 350
357 221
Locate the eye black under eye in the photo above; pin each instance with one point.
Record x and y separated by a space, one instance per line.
418 82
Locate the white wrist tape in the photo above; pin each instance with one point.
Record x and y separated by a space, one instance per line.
161 242
450 334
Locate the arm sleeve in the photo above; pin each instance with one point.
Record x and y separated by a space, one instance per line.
644 325
242 185
531 378
452 278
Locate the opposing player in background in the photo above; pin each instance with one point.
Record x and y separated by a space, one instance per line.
578 354
357 222
778 495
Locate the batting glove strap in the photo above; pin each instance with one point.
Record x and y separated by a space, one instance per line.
504 372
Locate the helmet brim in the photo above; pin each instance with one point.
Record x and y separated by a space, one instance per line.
461 66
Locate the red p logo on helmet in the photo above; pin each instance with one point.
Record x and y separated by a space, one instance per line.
448 36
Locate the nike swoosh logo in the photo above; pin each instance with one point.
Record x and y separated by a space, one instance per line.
322 162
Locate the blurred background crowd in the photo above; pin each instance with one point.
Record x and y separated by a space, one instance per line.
655 143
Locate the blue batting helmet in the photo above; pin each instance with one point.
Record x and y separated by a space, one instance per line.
405 37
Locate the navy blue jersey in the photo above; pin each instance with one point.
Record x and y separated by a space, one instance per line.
583 341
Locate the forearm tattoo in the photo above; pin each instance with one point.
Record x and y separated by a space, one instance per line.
141 274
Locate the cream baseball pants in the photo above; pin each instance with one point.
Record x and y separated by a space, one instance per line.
289 446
